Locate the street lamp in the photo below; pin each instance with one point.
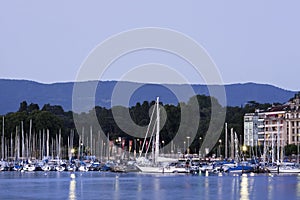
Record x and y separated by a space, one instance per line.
184 147
163 144
104 150
200 138
139 148
244 150
72 153
220 141
81 151
188 144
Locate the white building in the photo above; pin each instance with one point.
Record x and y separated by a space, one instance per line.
292 118
293 127
251 129
275 128
280 124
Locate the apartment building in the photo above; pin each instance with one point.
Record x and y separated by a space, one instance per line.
278 126
292 117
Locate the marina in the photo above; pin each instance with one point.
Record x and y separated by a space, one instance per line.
147 157
150 100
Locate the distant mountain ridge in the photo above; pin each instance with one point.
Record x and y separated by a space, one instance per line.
13 92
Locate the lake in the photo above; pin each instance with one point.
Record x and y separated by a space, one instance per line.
107 185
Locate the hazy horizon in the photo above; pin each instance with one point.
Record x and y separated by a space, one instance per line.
62 82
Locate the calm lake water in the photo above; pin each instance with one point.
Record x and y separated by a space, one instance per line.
106 185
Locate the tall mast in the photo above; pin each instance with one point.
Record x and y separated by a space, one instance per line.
231 144
157 131
47 146
236 143
17 144
226 138
23 139
278 142
31 139
91 140
11 146
59 144
2 140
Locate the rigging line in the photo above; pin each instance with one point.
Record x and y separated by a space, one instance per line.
147 132
152 134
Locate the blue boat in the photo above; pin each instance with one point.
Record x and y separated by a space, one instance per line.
240 169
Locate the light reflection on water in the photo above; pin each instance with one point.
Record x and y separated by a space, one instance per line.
206 186
72 190
270 188
99 185
220 184
244 188
298 186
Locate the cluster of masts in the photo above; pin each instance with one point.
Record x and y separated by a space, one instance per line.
21 145
30 145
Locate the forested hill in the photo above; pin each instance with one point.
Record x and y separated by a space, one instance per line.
12 92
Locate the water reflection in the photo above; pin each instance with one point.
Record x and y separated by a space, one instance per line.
207 187
72 190
220 184
244 191
270 188
116 194
140 185
234 186
156 187
117 184
298 186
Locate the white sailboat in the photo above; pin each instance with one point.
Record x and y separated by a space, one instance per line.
158 164
280 166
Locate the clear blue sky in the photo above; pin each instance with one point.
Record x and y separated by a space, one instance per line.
251 41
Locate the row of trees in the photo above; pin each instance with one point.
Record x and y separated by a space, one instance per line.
53 119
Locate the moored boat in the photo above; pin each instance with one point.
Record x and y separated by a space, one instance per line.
29 167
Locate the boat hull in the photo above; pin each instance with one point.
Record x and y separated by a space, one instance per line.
152 169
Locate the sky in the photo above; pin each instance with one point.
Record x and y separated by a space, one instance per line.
254 41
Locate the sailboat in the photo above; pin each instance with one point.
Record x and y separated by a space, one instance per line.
280 166
238 166
158 164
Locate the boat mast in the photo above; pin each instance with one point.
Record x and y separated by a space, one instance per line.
31 139
278 143
2 139
226 138
231 144
47 146
272 147
157 132
23 140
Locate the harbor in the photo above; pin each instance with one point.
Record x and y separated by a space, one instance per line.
28 151
149 100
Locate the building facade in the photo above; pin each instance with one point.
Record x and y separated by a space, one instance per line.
279 126
251 129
